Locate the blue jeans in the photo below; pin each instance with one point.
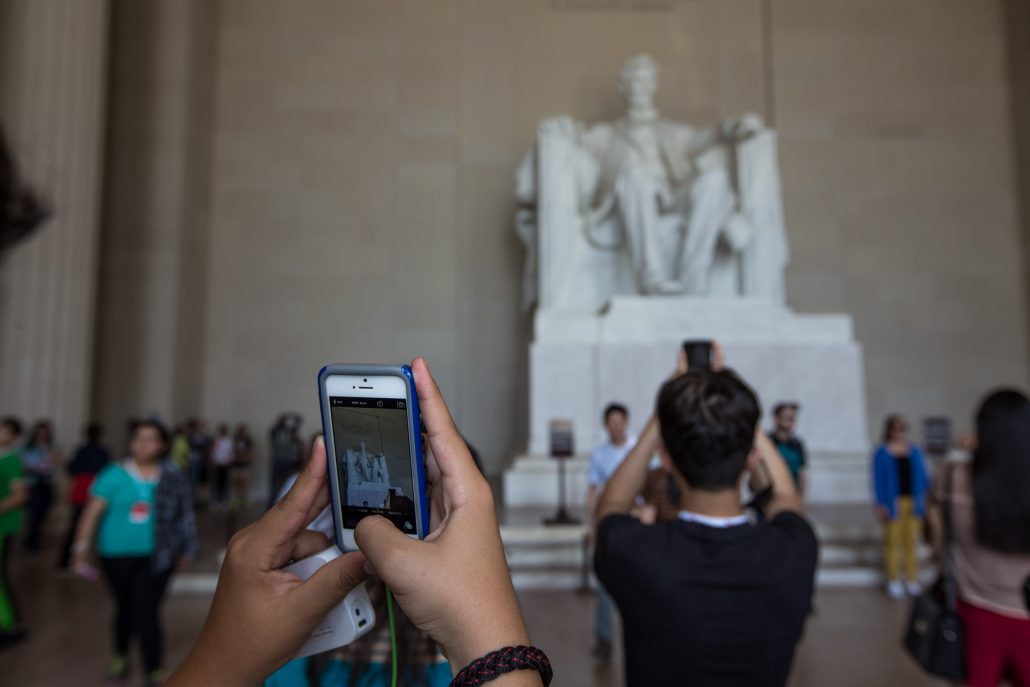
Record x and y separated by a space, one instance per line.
603 616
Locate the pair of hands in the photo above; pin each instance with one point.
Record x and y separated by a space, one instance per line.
454 585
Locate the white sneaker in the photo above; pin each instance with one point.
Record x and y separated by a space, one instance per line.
913 588
895 589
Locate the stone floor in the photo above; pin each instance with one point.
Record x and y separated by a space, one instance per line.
853 639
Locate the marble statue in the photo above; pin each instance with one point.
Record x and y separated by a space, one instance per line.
368 477
648 206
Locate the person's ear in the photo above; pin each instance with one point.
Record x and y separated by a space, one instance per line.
666 459
753 459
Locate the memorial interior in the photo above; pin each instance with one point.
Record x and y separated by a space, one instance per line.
545 198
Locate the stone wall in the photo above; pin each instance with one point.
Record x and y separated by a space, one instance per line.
362 166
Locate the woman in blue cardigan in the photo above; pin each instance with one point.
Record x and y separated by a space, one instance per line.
900 483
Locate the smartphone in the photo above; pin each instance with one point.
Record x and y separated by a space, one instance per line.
373 439
699 354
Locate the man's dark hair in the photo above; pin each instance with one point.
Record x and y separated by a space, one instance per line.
13 424
784 405
1001 472
708 422
94 431
893 422
615 408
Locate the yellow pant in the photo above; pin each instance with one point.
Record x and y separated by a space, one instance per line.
902 538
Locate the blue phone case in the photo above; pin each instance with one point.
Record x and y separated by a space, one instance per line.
414 439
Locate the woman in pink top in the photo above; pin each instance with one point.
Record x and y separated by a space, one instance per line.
990 501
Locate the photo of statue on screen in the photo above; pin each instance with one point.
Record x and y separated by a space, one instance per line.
368 477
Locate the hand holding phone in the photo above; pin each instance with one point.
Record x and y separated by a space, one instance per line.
261 615
455 585
702 354
699 354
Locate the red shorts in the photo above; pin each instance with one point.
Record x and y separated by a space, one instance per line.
997 646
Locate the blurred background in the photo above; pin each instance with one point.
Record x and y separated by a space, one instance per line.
241 191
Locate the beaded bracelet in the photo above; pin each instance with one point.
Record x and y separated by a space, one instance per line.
497 663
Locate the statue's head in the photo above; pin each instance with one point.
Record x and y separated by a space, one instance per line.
638 81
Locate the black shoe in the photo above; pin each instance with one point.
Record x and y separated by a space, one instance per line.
603 651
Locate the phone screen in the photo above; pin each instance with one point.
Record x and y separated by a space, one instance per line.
373 458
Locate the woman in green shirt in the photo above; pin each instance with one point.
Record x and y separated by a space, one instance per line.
13 495
141 514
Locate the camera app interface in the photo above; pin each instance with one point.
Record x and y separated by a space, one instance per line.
373 459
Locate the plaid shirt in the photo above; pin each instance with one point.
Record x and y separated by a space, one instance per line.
175 529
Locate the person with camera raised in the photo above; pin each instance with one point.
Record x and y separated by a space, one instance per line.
714 597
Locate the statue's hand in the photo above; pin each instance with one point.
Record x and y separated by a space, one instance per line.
744 126
563 127
737 232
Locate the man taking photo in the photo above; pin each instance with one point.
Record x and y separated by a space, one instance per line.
713 597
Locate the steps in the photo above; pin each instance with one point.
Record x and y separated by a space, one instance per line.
542 557
532 481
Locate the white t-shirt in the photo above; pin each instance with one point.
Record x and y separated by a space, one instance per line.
222 452
606 459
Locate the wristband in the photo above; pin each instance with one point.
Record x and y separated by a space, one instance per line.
506 660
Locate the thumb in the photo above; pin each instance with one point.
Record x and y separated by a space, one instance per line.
314 598
385 546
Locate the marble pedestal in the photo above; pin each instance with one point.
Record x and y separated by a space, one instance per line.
578 364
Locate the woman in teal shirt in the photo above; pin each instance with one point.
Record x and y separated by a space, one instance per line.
141 513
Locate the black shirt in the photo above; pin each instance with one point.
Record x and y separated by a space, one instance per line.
904 465
707 606
89 459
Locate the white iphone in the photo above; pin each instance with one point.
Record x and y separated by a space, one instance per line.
373 438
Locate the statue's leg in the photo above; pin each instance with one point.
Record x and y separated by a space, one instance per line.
711 201
637 192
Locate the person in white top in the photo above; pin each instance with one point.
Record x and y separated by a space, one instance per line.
604 461
223 453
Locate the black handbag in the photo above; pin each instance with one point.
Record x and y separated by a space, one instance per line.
934 637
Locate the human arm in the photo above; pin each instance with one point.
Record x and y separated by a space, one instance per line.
17 496
592 498
87 530
935 519
481 614
620 494
785 495
187 523
880 486
803 470
55 457
260 615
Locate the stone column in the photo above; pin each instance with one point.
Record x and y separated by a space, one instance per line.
52 101
154 245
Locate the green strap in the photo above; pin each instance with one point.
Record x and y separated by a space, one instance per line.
393 637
